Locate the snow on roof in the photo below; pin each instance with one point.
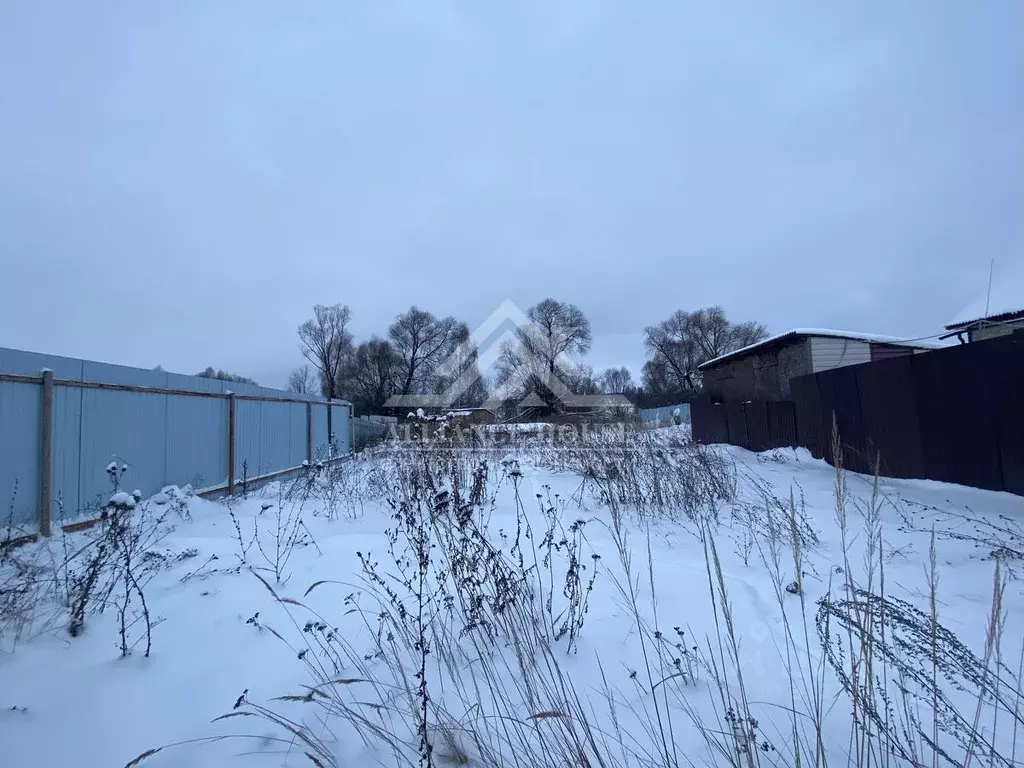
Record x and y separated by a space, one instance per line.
1007 297
873 338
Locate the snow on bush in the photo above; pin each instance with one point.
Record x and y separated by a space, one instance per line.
121 499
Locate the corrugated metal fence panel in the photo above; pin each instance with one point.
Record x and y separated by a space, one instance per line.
320 431
737 422
782 423
710 422
758 435
888 401
959 443
340 415
884 352
127 427
276 436
270 437
1004 359
811 430
248 421
19 452
23 363
197 441
720 422
194 383
121 374
67 454
839 395
297 434
239 388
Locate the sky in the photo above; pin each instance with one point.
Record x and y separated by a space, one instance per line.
181 182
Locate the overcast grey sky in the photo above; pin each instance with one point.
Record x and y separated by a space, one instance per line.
181 181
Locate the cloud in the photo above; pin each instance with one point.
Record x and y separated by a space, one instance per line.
183 182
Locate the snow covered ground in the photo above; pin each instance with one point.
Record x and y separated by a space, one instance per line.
649 679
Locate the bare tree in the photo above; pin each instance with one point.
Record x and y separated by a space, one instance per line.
686 340
459 377
423 342
556 329
301 381
519 372
616 381
326 343
372 374
581 380
536 360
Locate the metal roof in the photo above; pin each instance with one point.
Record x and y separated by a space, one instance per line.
1003 299
798 333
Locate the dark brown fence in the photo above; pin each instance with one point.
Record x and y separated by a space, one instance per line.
955 415
758 425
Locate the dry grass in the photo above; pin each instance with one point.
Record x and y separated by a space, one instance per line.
463 663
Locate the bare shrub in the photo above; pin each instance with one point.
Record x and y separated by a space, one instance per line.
62 581
663 477
1001 539
447 598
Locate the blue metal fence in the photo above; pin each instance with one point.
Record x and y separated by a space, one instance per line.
168 428
19 449
666 414
369 428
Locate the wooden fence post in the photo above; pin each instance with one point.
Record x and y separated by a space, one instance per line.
46 459
309 432
231 444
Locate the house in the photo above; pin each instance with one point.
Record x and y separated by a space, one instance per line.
999 311
762 371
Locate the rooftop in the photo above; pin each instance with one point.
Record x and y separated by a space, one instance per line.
1006 297
798 333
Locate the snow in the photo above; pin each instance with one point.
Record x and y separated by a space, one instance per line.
1007 295
75 702
167 494
875 338
121 499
